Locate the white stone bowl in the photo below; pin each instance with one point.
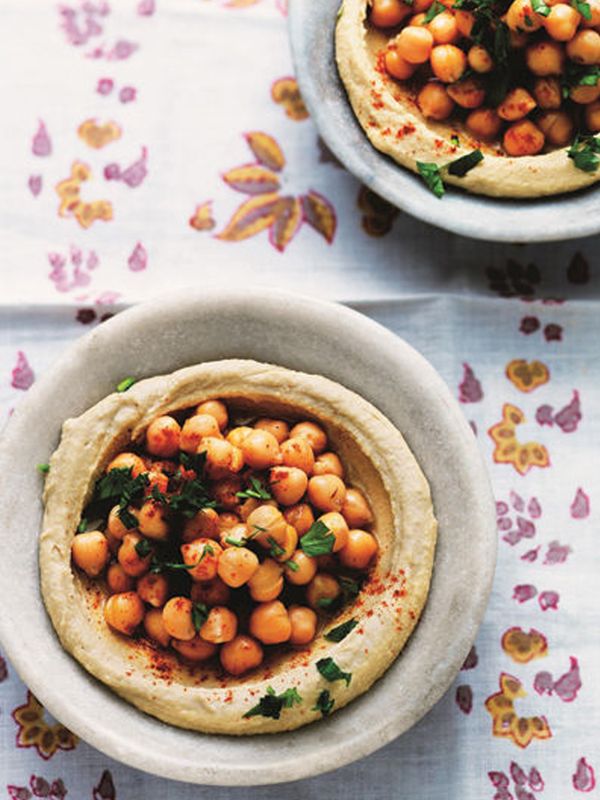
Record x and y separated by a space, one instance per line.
299 333
567 216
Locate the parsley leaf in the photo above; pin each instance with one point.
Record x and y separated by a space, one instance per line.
43 468
585 153
292 565
462 165
276 549
341 631
271 704
192 497
540 7
455 140
432 176
143 548
331 672
117 486
82 527
257 491
434 9
583 8
125 384
318 540
324 703
199 615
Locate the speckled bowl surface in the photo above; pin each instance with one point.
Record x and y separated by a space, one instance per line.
567 216
298 333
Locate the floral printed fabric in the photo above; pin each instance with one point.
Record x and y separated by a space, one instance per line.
145 150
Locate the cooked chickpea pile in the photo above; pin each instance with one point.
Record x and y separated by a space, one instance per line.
277 539
524 73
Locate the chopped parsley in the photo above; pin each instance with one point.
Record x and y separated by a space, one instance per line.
160 565
143 548
192 497
324 703
271 704
432 176
292 565
276 550
331 672
318 540
585 153
256 491
583 8
341 631
118 486
455 140
199 615
43 468
82 527
462 165
434 9
540 7
125 384
579 75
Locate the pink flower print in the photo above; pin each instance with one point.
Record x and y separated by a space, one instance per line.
504 523
138 259
105 86
136 172
531 555
22 375
123 49
469 390
578 271
471 660
557 553
569 684
534 508
569 417
517 774
535 780
544 415
107 299
517 501
35 184
92 260
580 507
112 172
464 698
146 8
106 788
584 778
524 592
499 780
525 527
553 332
549 600
18 793
501 508
543 683
522 794
128 94
529 325
80 269
519 527
41 144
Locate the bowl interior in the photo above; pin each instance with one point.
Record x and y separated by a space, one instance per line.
568 216
300 334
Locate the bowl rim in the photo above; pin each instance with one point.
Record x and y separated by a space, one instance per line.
114 743
408 193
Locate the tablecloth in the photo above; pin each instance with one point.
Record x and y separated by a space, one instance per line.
151 145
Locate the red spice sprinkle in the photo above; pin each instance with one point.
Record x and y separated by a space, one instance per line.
406 130
228 697
370 612
386 131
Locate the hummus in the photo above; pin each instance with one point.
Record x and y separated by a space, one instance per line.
390 117
377 460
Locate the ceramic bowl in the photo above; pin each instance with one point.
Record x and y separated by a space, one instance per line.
302 334
567 216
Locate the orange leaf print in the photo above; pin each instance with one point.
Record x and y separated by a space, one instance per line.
252 179
509 450
527 376
287 221
97 136
71 204
506 723
252 217
266 150
319 214
35 731
87 213
524 647
241 3
202 218
285 92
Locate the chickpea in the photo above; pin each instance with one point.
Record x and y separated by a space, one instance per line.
264 522
594 22
113 543
468 93
297 452
241 655
557 127
114 524
434 103
162 437
133 564
585 94
545 58
195 429
277 427
523 139
421 5
592 117
397 67
164 465
518 40
306 569
90 552
227 520
359 550
448 62
313 433
203 525
236 566
327 492
562 21
484 123
304 624
158 479
300 516
216 409
225 491
153 589
479 59
155 628
388 13
443 28
270 623
124 612
238 533
251 504
220 626
211 593
287 484
267 582
584 47
464 22
418 20
177 618
322 591
128 461
195 649
516 105
222 457
522 18
548 93
413 45
260 449
355 509
237 435
152 520
286 545
204 554
117 580
338 526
